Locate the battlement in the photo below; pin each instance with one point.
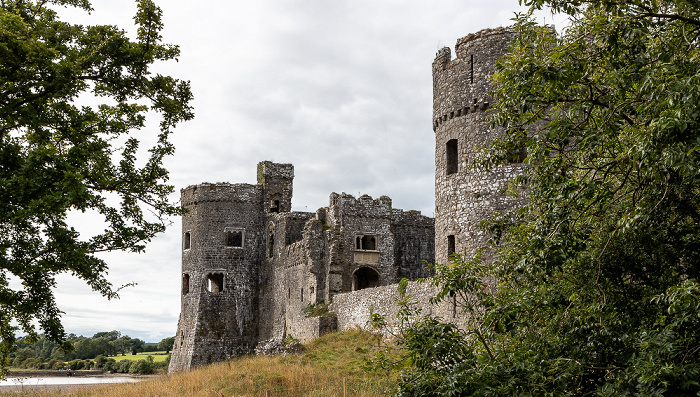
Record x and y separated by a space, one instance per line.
267 169
214 192
462 86
343 205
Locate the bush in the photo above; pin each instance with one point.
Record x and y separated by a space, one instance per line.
124 366
141 367
75 364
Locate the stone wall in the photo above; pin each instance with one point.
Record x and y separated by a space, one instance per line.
414 244
218 317
353 309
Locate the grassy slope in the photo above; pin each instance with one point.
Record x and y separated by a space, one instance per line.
319 371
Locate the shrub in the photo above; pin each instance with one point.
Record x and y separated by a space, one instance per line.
141 367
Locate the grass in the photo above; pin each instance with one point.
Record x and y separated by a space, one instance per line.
157 356
318 372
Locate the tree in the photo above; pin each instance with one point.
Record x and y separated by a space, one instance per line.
58 157
597 287
167 344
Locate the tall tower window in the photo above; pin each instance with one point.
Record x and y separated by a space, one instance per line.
450 245
271 242
185 284
452 158
471 69
186 243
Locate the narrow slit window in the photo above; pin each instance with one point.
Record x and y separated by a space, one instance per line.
452 158
471 69
270 244
450 245
187 241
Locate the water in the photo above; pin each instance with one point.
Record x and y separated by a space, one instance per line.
67 380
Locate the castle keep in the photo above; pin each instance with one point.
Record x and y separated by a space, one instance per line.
250 265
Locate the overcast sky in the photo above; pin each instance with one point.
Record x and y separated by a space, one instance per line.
342 89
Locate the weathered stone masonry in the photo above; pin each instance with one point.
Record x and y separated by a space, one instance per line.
250 266
461 97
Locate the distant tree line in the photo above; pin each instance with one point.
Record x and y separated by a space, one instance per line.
89 353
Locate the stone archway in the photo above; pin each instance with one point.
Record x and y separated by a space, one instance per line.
365 277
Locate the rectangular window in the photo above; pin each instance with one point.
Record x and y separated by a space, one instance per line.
274 206
234 238
366 242
452 160
215 283
517 156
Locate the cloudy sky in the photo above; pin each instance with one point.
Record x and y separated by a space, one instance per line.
342 89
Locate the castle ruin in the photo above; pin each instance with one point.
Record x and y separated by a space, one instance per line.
250 265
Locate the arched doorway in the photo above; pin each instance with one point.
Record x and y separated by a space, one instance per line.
365 277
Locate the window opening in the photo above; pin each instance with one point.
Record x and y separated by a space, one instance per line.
365 277
366 242
450 245
302 294
187 240
471 69
517 155
234 238
452 162
215 283
185 284
274 206
270 244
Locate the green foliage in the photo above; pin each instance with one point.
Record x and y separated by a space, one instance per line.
318 310
58 157
166 344
594 289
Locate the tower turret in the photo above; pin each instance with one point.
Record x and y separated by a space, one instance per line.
461 97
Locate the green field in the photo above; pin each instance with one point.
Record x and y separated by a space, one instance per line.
157 356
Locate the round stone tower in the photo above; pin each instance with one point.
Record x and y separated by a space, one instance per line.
461 97
223 245
221 240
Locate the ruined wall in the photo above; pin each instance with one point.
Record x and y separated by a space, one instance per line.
368 220
414 244
222 236
353 309
461 96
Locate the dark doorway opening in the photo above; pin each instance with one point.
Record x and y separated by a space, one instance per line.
365 277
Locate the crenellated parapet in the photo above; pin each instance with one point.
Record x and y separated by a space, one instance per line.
220 192
462 86
462 93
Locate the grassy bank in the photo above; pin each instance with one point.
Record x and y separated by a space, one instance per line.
319 371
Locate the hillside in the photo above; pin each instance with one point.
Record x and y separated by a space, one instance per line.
318 371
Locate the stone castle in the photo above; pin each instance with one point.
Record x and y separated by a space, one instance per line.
250 265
